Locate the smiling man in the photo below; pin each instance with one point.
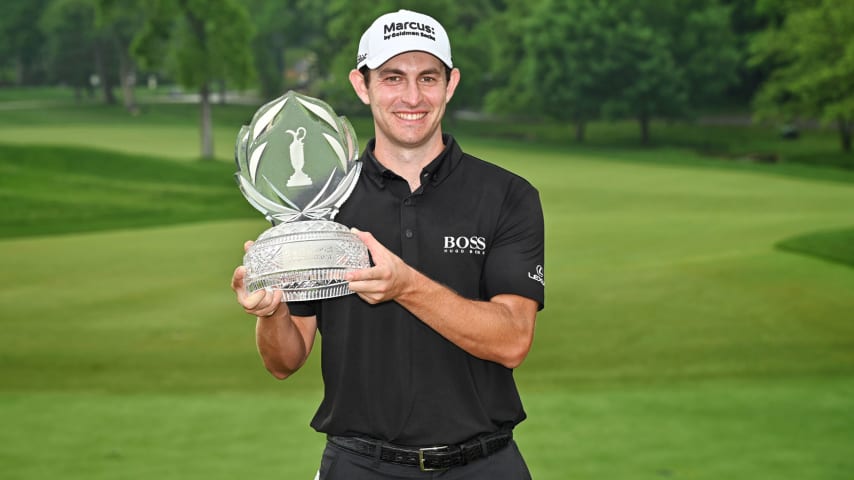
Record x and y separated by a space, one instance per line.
418 366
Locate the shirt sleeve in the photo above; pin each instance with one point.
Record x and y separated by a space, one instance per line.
515 261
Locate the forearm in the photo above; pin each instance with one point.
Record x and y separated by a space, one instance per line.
500 330
282 345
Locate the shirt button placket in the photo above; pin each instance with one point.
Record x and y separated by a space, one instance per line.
408 231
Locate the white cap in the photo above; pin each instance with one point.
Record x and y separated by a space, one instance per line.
399 32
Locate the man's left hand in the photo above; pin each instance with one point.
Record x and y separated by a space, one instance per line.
386 280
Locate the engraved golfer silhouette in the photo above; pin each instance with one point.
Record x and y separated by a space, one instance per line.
299 178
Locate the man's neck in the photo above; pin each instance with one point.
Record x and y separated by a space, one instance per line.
408 161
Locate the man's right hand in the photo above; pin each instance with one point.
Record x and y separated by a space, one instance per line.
263 303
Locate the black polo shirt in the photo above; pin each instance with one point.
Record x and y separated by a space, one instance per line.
471 226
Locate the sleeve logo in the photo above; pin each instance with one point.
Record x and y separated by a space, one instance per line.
538 277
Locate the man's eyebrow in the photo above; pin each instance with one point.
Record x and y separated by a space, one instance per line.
396 71
390 71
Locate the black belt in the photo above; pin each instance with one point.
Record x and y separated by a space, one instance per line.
428 458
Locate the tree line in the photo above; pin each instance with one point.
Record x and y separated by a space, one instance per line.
571 61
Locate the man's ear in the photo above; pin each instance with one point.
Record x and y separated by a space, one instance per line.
358 82
452 84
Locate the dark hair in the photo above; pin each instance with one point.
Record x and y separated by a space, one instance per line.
366 74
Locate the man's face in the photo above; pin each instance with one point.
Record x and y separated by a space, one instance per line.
407 95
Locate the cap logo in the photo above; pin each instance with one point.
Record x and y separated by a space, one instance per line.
397 29
400 32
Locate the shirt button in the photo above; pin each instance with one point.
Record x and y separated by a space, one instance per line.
407 202
409 233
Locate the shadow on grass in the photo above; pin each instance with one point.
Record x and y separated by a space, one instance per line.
832 245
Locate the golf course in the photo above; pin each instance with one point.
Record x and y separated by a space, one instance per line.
699 318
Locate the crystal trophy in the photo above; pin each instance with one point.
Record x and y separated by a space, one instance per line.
297 164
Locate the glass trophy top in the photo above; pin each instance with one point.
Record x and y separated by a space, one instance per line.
297 160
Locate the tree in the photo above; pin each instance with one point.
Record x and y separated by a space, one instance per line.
287 32
80 46
473 32
201 42
746 22
811 54
118 21
21 48
645 79
71 44
642 58
556 57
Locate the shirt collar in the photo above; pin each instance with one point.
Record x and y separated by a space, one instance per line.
435 172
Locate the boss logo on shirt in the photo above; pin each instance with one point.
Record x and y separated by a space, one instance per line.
472 245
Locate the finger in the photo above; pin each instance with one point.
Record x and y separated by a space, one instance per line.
270 304
369 240
361 275
371 298
247 244
237 279
367 286
255 301
278 297
275 302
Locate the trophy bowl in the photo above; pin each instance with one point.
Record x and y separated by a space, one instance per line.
306 260
297 164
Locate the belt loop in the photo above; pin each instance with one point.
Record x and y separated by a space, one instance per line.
484 447
378 453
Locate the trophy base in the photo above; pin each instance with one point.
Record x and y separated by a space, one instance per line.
306 260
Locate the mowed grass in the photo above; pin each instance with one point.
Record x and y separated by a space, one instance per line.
834 245
677 341
166 131
48 190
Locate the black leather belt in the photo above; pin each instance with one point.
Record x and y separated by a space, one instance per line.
428 458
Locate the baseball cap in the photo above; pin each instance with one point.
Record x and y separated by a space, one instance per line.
399 32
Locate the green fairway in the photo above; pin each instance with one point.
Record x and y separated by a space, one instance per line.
167 131
51 190
677 341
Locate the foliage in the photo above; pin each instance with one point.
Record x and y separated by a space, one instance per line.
69 27
199 41
21 48
473 36
511 68
287 33
574 61
812 56
119 20
84 44
206 42
588 58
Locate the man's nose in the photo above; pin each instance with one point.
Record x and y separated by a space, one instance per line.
412 94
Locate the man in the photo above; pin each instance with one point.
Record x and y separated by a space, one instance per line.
417 367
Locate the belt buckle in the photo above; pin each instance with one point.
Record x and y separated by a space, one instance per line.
421 458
